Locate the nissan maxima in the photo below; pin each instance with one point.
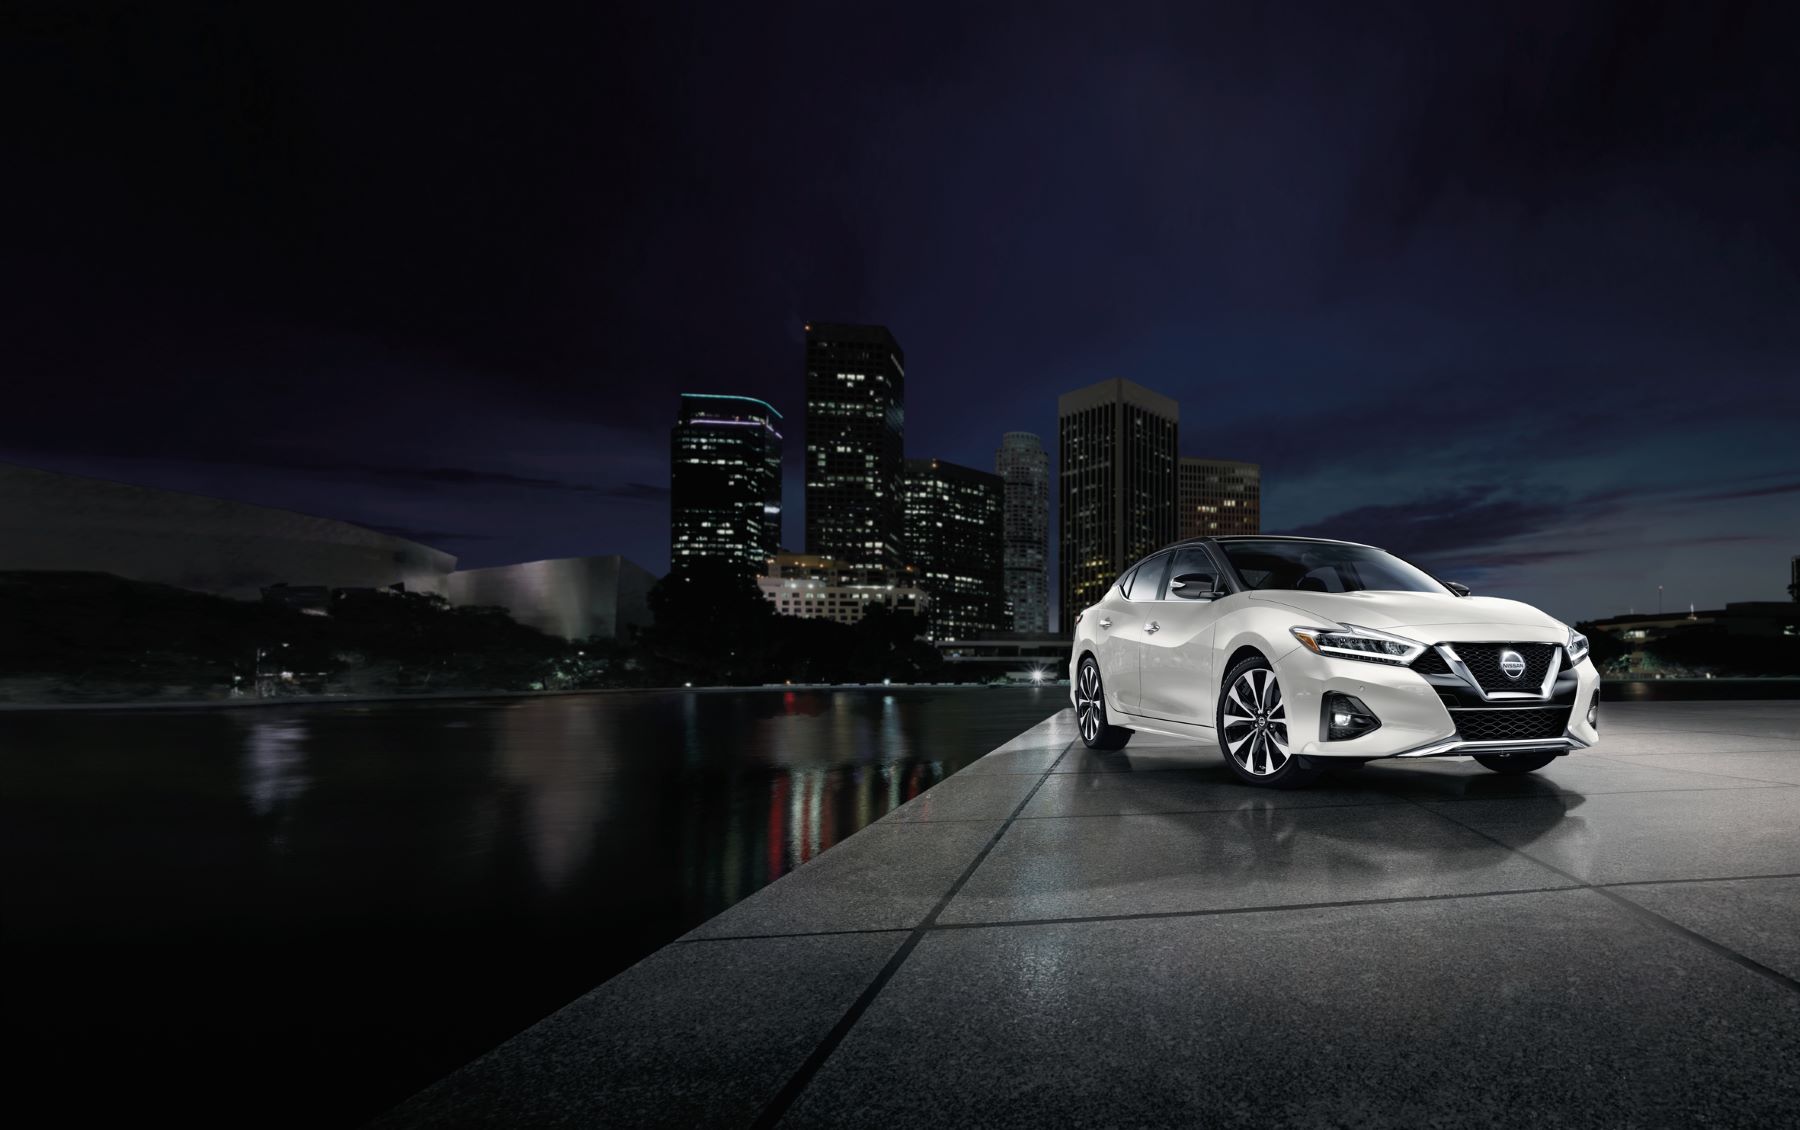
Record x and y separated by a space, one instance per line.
1296 653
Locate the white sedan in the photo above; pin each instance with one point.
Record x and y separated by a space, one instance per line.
1294 653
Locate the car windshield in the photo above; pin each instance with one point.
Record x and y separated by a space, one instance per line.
1312 566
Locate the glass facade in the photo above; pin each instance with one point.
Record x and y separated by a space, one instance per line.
1219 497
1024 469
855 420
724 483
1116 485
954 531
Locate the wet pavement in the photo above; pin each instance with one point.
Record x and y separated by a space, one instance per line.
1056 936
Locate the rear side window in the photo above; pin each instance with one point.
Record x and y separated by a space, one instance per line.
1125 581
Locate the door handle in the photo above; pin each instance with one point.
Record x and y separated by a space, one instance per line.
1106 623
1152 628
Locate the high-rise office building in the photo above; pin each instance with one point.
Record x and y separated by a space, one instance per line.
724 482
1219 496
855 419
1115 483
954 534
1024 469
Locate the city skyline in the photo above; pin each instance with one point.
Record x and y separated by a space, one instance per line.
1528 328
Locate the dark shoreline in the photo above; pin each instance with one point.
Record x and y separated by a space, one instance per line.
1779 688
477 696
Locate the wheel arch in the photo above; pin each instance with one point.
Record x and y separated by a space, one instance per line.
1244 651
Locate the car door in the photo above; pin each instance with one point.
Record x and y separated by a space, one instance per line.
1120 634
1175 660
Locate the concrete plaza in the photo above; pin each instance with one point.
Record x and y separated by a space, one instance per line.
1052 937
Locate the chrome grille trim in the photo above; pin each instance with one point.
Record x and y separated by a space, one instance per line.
1461 670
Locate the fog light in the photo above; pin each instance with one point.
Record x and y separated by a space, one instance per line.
1346 717
1594 709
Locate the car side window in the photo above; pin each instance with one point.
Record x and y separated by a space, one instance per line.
1190 561
1147 580
1125 582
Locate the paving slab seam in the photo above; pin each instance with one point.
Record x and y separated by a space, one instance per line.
1727 733
1216 811
778 1106
1757 787
1613 759
711 938
1221 911
1266 908
1710 879
1642 913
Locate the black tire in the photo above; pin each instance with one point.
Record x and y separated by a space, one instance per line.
1090 710
1515 762
1256 744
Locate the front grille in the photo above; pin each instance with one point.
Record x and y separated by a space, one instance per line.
1483 660
1515 723
1431 663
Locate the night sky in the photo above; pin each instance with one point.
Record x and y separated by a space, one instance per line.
1516 292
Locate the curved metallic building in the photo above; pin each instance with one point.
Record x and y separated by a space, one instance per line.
55 521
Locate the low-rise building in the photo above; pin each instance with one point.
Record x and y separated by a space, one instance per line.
572 597
1741 618
1023 657
824 588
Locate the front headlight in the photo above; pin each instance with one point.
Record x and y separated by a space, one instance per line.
1352 642
1578 647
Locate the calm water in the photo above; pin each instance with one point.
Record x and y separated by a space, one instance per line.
299 915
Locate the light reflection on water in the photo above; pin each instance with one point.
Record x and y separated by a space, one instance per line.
346 902
274 763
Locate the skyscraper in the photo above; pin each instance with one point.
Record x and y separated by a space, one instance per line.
855 418
724 482
1116 485
1220 496
1024 469
954 533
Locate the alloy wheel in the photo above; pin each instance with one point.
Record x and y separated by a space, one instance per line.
1088 710
1255 716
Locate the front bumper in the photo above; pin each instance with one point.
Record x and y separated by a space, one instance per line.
1415 710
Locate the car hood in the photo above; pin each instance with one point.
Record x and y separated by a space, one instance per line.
1416 610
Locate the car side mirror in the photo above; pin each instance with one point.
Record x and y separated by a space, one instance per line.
1459 590
1195 586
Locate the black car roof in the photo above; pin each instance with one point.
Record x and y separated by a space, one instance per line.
1265 537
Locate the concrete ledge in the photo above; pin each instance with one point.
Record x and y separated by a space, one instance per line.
1053 936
